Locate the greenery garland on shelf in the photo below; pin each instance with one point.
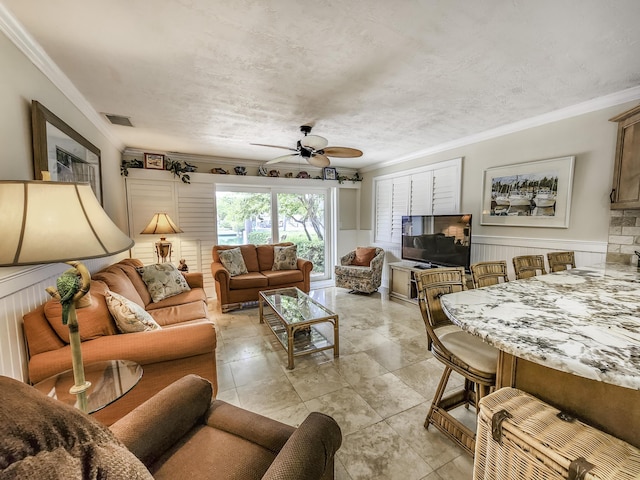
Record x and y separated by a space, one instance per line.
176 167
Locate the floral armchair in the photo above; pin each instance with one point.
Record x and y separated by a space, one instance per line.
360 278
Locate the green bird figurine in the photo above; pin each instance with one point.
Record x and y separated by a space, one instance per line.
68 285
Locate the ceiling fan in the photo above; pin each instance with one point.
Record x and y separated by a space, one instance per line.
313 149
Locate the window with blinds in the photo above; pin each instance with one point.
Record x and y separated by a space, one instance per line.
431 190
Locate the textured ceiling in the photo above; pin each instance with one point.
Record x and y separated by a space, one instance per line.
388 77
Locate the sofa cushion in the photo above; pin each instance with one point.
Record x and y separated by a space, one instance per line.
233 261
163 280
179 314
119 283
265 254
129 267
285 258
248 280
364 255
129 316
49 439
283 277
195 295
93 321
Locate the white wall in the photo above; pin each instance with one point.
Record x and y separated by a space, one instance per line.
23 289
590 137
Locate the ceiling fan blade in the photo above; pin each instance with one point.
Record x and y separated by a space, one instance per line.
342 152
314 141
282 158
319 160
273 146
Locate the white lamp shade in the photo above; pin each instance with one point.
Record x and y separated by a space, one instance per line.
161 224
50 222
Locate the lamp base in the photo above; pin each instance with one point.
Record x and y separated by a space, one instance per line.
76 389
163 250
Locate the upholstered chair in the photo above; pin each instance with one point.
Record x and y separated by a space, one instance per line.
360 270
459 351
178 433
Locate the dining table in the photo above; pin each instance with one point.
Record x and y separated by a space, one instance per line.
570 338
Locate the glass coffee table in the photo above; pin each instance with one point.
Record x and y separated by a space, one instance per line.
110 380
294 318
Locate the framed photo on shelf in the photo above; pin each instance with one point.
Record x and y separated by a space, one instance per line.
330 173
154 161
530 194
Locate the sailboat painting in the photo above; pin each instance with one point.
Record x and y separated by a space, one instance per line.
529 194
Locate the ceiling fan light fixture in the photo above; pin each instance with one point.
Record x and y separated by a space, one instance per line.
314 141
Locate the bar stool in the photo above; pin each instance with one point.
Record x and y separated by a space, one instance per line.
559 261
527 266
484 274
459 351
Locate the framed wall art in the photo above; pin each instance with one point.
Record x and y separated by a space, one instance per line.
154 161
330 173
61 154
531 194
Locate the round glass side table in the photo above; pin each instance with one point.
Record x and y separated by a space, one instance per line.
110 380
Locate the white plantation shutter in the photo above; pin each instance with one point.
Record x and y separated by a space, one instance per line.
400 206
198 222
384 194
446 191
421 193
191 206
432 190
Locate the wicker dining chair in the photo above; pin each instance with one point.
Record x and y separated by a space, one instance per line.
559 261
459 351
484 274
527 266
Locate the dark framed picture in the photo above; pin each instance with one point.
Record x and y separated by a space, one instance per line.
154 161
61 154
330 173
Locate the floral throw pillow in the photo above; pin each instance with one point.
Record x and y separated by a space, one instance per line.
233 261
163 280
285 258
129 316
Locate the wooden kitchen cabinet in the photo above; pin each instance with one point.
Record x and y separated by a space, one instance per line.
625 192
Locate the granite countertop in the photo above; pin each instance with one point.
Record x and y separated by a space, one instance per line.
584 321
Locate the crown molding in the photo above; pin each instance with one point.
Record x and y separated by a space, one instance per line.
589 106
22 39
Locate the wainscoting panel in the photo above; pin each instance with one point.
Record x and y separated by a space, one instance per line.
20 292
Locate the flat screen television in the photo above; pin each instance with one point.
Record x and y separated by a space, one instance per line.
439 240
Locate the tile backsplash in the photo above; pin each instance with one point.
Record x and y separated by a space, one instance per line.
624 236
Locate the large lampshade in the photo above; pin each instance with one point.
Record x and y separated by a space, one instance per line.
50 222
161 224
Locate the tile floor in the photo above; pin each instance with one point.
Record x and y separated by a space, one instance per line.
378 390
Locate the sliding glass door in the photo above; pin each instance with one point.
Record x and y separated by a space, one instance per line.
263 215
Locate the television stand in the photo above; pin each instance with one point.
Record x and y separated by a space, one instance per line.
402 282
424 266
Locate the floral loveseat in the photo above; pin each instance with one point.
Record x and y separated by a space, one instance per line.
236 286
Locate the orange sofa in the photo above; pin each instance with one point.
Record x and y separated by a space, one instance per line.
185 344
233 291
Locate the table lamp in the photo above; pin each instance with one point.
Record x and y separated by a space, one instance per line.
55 222
161 224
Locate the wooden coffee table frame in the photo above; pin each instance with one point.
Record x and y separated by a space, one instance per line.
285 328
